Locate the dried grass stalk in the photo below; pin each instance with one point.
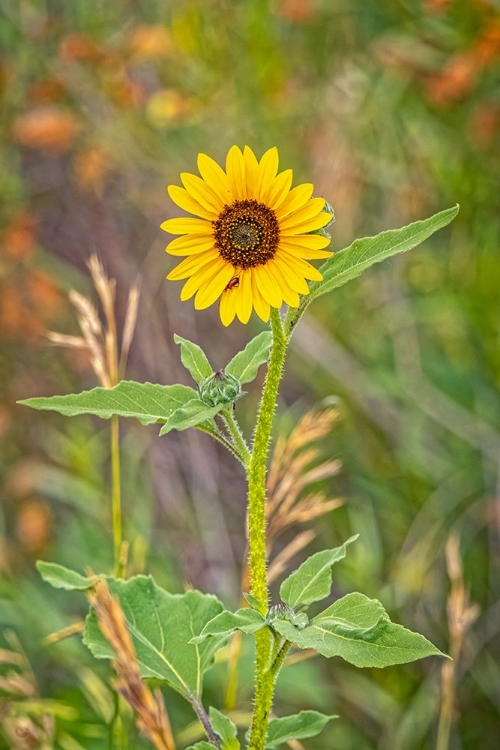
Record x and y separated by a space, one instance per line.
290 474
149 708
107 358
461 616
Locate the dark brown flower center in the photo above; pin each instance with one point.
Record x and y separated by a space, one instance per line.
246 233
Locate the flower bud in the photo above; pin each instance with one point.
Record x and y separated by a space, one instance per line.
219 388
323 231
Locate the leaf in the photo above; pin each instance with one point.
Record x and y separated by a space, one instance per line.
246 363
247 620
161 624
203 745
225 729
349 263
63 578
255 603
191 414
194 359
298 727
147 402
312 581
359 631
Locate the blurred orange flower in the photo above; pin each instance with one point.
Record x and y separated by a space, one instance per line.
45 91
19 237
80 48
461 73
34 525
298 11
26 311
91 168
46 128
150 41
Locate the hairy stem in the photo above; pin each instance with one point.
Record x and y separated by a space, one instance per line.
263 702
236 434
217 435
257 562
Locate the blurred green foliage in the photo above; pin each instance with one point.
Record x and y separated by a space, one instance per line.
392 110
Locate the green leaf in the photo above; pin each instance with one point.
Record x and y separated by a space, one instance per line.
247 620
203 745
161 624
349 263
246 363
193 413
312 581
63 578
255 603
298 727
147 402
359 631
225 729
194 359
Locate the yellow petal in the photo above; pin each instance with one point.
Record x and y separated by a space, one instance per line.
190 244
235 168
267 287
301 266
214 176
308 226
182 199
295 280
313 207
213 288
268 167
187 225
208 272
192 264
244 297
289 295
311 241
296 198
279 189
251 171
304 252
227 307
261 306
203 193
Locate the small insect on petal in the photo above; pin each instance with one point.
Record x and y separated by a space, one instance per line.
233 283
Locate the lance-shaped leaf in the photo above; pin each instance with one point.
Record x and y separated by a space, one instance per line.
298 727
349 263
194 359
224 728
161 624
247 620
191 414
365 252
358 630
245 365
63 578
146 402
312 581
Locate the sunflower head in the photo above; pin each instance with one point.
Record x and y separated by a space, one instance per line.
251 241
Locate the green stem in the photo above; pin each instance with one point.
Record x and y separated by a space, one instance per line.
116 502
236 434
264 701
257 562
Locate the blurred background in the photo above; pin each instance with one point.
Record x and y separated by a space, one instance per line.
392 109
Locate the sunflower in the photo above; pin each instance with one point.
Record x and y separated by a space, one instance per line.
253 239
